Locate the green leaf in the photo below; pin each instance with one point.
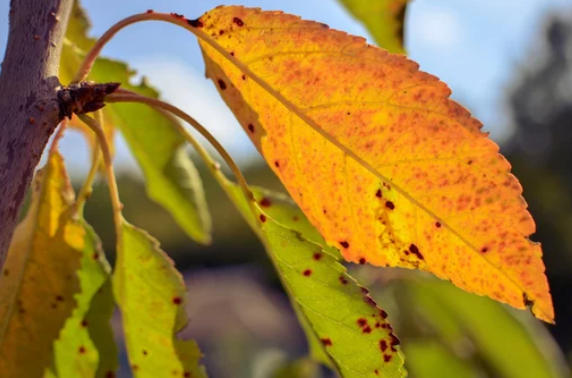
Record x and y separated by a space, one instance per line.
171 177
151 296
86 347
511 347
39 287
384 19
352 330
430 359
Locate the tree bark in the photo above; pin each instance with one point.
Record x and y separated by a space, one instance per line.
29 105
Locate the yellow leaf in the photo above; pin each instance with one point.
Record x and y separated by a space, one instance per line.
384 19
39 280
383 163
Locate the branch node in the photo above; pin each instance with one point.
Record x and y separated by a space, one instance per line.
84 97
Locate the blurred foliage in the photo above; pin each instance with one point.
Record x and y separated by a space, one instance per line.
540 102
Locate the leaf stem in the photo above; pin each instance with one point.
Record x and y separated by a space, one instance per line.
90 58
87 187
127 96
107 161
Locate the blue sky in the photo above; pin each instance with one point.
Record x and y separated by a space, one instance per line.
473 45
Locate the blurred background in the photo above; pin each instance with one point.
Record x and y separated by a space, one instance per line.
509 62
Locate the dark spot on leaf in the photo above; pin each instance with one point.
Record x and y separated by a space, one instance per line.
526 300
6 272
413 249
221 84
484 250
383 345
187 374
378 193
177 300
317 256
307 272
84 323
383 314
251 128
59 298
144 352
95 256
327 342
81 350
438 224
369 300
277 164
361 322
376 372
364 290
367 329
345 244
195 23
110 374
387 357
262 218
221 32
343 280
470 162
238 21
265 202
295 218
134 367
394 341
362 261
243 77
389 205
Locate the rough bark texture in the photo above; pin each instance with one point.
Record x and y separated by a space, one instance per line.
29 106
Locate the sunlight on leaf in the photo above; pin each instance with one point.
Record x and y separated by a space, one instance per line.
382 162
151 295
353 331
384 19
86 347
508 346
171 177
39 282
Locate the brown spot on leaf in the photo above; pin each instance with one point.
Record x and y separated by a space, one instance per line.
383 345
221 84
438 224
238 21
362 261
343 280
177 300
345 244
327 342
413 249
81 350
389 205
265 202
484 250
317 256
110 374
262 218
361 322
251 128
367 329
387 357
84 323
378 193
307 272
277 164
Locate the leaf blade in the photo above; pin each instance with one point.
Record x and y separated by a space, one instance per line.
433 193
150 294
39 280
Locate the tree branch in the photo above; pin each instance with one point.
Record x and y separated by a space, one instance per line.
29 105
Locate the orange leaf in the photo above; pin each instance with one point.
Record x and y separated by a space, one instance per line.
383 163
